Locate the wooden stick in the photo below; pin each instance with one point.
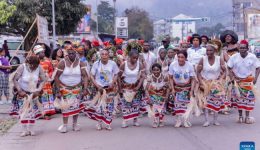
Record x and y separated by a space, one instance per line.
24 39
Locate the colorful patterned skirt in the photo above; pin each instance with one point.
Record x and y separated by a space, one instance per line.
181 99
158 106
47 99
170 103
102 113
215 99
27 116
131 110
72 97
246 98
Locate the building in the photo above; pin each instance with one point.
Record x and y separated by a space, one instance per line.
180 26
161 28
240 10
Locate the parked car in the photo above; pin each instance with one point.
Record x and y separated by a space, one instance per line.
18 56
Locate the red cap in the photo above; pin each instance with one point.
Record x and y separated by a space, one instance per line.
244 42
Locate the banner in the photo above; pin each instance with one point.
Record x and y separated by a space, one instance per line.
122 27
84 25
43 32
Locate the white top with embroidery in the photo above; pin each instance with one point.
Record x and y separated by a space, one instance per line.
104 73
195 54
181 74
243 67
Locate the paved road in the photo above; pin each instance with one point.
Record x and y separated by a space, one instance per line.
224 137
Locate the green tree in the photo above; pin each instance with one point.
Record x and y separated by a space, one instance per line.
139 23
105 17
205 31
211 31
67 13
217 29
6 11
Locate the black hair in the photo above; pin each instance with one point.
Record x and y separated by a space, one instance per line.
233 41
184 53
205 36
67 42
54 54
88 43
162 49
157 65
195 36
133 51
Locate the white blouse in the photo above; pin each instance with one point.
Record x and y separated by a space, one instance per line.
243 67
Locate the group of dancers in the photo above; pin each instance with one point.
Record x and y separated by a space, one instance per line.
201 76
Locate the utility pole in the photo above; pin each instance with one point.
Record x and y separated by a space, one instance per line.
115 17
53 26
182 28
244 21
233 15
97 15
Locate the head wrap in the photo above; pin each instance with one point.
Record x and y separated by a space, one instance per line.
37 49
213 45
119 52
119 41
95 43
133 45
79 48
216 42
106 44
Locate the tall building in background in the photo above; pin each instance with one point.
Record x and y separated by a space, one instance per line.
161 28
240 10
180 26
